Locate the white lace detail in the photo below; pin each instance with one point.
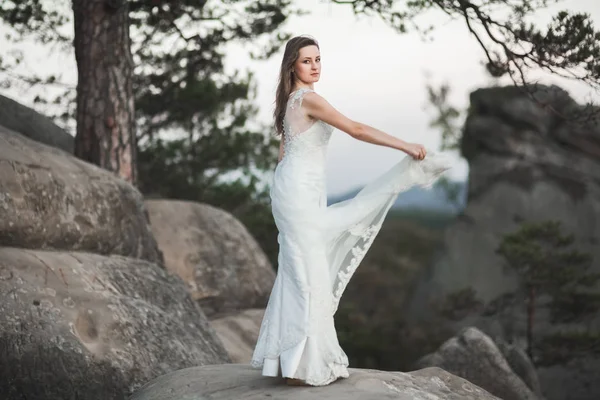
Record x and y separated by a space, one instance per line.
296 127
296 97
367 235
420 174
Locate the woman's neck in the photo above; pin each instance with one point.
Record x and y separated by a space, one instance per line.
298 87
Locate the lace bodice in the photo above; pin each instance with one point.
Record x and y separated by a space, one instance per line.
303 136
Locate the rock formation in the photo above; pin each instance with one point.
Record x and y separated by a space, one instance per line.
222 264
529 160
474 356
87 309
239 333
29 123
525 163
239 381
82 325
224 268
51 200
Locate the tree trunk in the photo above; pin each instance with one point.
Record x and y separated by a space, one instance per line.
105 106
530 317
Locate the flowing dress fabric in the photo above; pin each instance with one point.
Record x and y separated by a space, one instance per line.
320 247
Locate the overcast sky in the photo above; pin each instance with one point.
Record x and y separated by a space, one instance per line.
377 76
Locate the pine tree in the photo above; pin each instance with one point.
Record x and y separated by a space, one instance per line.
168 58
541 255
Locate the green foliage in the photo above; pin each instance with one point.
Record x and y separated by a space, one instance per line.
388 344
431 219
178 49
183 88
196 124
42 20
448 119
184 84
540 254
370 319
570 306
569 46
560 348
457 305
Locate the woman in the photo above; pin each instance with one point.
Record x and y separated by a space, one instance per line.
320 246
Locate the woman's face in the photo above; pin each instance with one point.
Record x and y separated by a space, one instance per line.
308 65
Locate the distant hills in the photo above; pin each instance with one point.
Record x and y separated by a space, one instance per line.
418 198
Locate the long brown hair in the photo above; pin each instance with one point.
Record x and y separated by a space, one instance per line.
286 76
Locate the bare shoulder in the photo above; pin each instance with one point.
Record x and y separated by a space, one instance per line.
313 102
312 98
317 107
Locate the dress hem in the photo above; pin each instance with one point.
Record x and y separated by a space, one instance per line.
336 368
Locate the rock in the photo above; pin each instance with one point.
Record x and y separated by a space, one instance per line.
239 333
521 365
473 356
521 169
242 382
86 326
526 164
224 267
51 200
24 120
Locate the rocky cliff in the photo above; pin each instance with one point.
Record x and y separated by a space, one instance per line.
529 160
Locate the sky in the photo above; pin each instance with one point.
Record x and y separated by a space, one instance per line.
378 77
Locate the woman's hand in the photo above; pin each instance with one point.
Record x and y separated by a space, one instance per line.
415 150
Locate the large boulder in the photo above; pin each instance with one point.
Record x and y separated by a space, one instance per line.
475 357
80 325
51 200
224 267
239 333
242 382
34 125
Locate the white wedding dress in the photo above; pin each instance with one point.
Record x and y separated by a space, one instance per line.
320 247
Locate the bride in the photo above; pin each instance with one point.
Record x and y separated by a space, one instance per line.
321 246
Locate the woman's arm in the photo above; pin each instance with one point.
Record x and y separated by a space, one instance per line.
317 107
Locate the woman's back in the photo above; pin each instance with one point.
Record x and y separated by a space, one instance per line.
305 139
